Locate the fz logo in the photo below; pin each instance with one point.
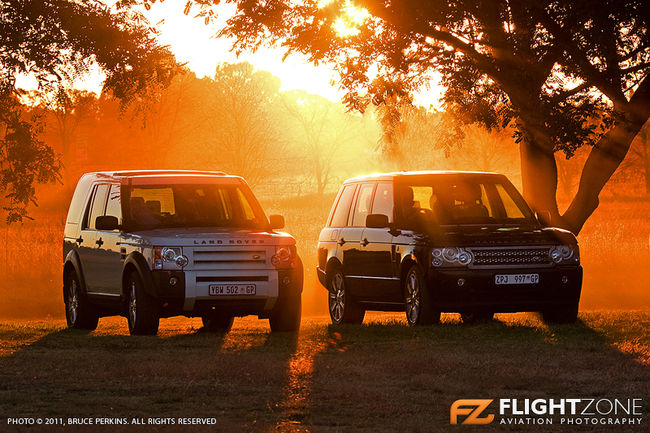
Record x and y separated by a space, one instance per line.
473 408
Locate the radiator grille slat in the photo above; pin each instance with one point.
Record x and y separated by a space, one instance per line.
511 256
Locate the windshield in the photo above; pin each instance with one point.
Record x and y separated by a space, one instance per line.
462 199
188 205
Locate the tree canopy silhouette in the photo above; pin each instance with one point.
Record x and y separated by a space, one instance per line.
57 41
563 73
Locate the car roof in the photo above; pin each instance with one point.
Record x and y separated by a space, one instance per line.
126 174
404 174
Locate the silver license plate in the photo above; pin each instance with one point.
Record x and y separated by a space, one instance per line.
516 279
232 289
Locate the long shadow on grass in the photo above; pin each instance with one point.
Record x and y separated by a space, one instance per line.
387 376
238 378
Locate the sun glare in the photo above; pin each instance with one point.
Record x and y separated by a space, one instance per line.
348 24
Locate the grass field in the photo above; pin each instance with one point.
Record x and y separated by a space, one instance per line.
382 376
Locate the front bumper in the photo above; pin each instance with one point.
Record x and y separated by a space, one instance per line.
479 291
190 296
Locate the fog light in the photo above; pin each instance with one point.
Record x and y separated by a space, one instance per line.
565 279
461 282
173 281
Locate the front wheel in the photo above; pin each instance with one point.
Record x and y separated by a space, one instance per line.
560 315
286 315
142 311
79 312
342 307
417 299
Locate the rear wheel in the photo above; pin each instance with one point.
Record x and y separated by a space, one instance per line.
567 314
476 317
342 308
79 312
142 310
217 323
417 299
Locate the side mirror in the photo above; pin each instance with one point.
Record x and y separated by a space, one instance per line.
377 221
276 222
107 222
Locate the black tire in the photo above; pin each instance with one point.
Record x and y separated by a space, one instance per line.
476 317
417 299
79 312
141 309
286 315
342 308
217 323
560 315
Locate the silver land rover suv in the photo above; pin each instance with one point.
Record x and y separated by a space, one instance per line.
152 244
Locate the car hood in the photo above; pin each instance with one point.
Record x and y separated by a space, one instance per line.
205 236
503 235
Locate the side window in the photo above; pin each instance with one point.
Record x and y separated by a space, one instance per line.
114 205
362 208
97 206
383 202
340 217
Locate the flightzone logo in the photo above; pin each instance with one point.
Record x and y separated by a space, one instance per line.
541 411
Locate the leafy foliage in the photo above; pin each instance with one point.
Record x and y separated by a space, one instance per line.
57 41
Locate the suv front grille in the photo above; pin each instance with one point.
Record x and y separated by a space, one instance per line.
228 258
511 256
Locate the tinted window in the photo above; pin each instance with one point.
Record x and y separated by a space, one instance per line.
383 202
362 208
114 205
187 205
453 199
97 207
340 217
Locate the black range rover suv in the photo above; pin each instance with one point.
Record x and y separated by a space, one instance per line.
432 242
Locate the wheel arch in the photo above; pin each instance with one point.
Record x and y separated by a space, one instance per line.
332 263
72 263
136 262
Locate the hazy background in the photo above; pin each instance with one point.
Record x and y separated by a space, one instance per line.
295 149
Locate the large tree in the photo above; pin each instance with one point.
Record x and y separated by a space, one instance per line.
57 41
563 73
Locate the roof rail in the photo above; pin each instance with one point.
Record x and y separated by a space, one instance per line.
163 172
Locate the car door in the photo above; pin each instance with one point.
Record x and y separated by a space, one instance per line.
89 247
378 252
354 266
331 235
110 253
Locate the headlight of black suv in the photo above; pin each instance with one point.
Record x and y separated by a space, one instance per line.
451 257
564 254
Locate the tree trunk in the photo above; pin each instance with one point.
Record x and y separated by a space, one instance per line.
606 156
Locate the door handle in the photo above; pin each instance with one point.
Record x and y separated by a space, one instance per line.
79 240
99 242
364 242
341 241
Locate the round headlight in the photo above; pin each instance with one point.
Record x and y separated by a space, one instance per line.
437 252
169 254
566 252
181 261
450 254
464 258
556 255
